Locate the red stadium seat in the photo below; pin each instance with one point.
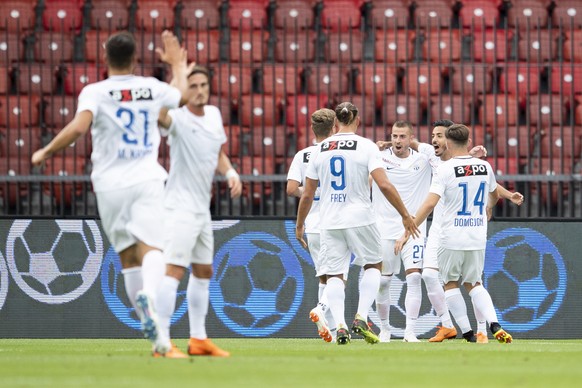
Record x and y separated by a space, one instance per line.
247 14
394 46
225 106
565 79
567 12
504 166
259 110
36 78
479 14
53 48
155 15
19 111
435 13
79 75
561 142
300 107
233 136
292 14
11 48
62 15
295 46
454 108
59 110
17 15
479 134
344 47
491 46
340 15
273 142
202 46
470 79
520 79
5 74
376 80
19 143
513 142
255 166
498 110
64 192
248 46
573 46
537 46
551 166
110 14
422 79
375 133
400 107
281 80
200 14
442 45
146 47
14 166
327 79
524 13
389 14
231 80
95 45
545 109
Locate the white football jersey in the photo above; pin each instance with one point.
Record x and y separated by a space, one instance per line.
435 162
464 184
297 173
342 164
125 131
411 176
195 144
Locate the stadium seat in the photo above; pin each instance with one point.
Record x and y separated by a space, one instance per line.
366 107
400 107
255 166
19 111
389 14
528 14
19 143
470 79
64 193
560 142
376 133
513 142
18 15
452 107
53 48
12 191
95 45
200 14
504 166
62 16
436 13
230 80
578 115
300 107
573 46
441 45
295 46
422 79
537 46
520 79
202 46
110 14
340 15
550 191
566 13
491 46
247 14
294 14
479 134
11 47
59 110
248 46
281 79
259 111
146 47
79 75
273 142
498 110
565 79
394 46
376 79
344 47
233 136
545 109
479 14
36 78
225 106
327 79
5 75
155 15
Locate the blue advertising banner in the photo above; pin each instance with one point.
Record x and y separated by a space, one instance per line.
61 279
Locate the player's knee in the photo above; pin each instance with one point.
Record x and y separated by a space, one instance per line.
430 275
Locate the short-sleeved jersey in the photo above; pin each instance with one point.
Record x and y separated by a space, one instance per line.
464 184
411 176
435 162
125 131
297 173
195 144
342 164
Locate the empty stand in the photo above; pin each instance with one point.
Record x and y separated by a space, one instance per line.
259 110
36 78
498 110
292 14
567 12
17 15
95 45
513 142
272 142
247 14
295 46
202 46
479 14
389 14
64 192
53 48
376 79
470 79
200 14
537 46
435 13
504 166
155 15
11 47
13 167
225 105
441 45
110 14
300 107
545 109
560 142
344 47
79 75
422 79
566 79
491 46
59 110
146 47
366 107
231 80
248 46
19 143
5 75
19 111
340 15
281 79
573 46
520 79
528 14
327 79
394 46
400 107
62 16
452 107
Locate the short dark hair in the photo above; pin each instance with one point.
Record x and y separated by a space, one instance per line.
120 49
404 124
322 122
199 70
442 123
346 113
458 133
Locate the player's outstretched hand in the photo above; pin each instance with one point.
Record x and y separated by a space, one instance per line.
299 235
399 244
382 145
478 152
172 52
517 198
410 226
38 157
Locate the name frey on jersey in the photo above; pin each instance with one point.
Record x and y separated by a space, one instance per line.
470 170
137 94
331 145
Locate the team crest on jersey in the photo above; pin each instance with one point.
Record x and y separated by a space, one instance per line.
138 94
339 145
470 170
306 157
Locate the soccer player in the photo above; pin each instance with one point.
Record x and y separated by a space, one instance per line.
322 125
122 112
341 165
196 138
466 185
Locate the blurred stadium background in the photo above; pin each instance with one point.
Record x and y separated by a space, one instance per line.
511 70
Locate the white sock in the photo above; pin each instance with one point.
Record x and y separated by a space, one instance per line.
383 302
458 308
436 295
369 286
483 303
412 300
336 295
328 315
153 268
166 302
198 301
481 321
132 278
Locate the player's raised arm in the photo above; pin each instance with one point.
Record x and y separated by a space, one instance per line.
176 56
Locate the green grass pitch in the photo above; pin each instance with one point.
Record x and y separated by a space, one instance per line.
292 363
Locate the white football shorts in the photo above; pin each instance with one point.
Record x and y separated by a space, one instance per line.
411 255
467 265
189 238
